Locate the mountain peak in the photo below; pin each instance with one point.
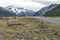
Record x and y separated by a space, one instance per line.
20 10
46 9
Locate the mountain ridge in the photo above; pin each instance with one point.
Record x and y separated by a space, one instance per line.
43 11
4 12
20 11
54 12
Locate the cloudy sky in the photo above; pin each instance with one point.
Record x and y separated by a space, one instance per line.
28 4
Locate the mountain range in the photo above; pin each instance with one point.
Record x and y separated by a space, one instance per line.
54 12
44 10
51 10
4 12
20 11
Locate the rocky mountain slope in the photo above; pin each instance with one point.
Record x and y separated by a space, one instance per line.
54 12
20 11
4 12
46 9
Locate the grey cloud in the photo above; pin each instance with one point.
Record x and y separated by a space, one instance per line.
47 2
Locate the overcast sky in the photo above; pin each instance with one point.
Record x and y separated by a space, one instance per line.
28 4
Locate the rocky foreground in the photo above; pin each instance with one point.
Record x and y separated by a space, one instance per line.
18 28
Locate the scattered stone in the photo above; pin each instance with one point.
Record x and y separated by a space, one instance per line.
37 30
17 35
22 39
28 35
1 17
36 38
11 35
5 18
42 25
31 31
14 17
28 25
2 33
57 33
14 23
17 39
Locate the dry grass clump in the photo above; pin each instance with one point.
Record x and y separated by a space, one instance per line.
19 28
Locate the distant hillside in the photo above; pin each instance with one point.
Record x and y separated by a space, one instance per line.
54 12
5 12
51 10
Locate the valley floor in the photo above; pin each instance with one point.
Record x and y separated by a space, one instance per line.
29 28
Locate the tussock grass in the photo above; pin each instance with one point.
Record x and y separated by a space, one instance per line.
28 24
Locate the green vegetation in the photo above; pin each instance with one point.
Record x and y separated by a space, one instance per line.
54 12
6 13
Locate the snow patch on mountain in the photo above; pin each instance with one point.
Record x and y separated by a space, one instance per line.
20 11
48 8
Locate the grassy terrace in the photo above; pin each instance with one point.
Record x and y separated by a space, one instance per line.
27 28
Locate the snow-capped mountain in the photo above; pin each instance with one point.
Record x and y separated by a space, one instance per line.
42 11
6 13
20 11
48 8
